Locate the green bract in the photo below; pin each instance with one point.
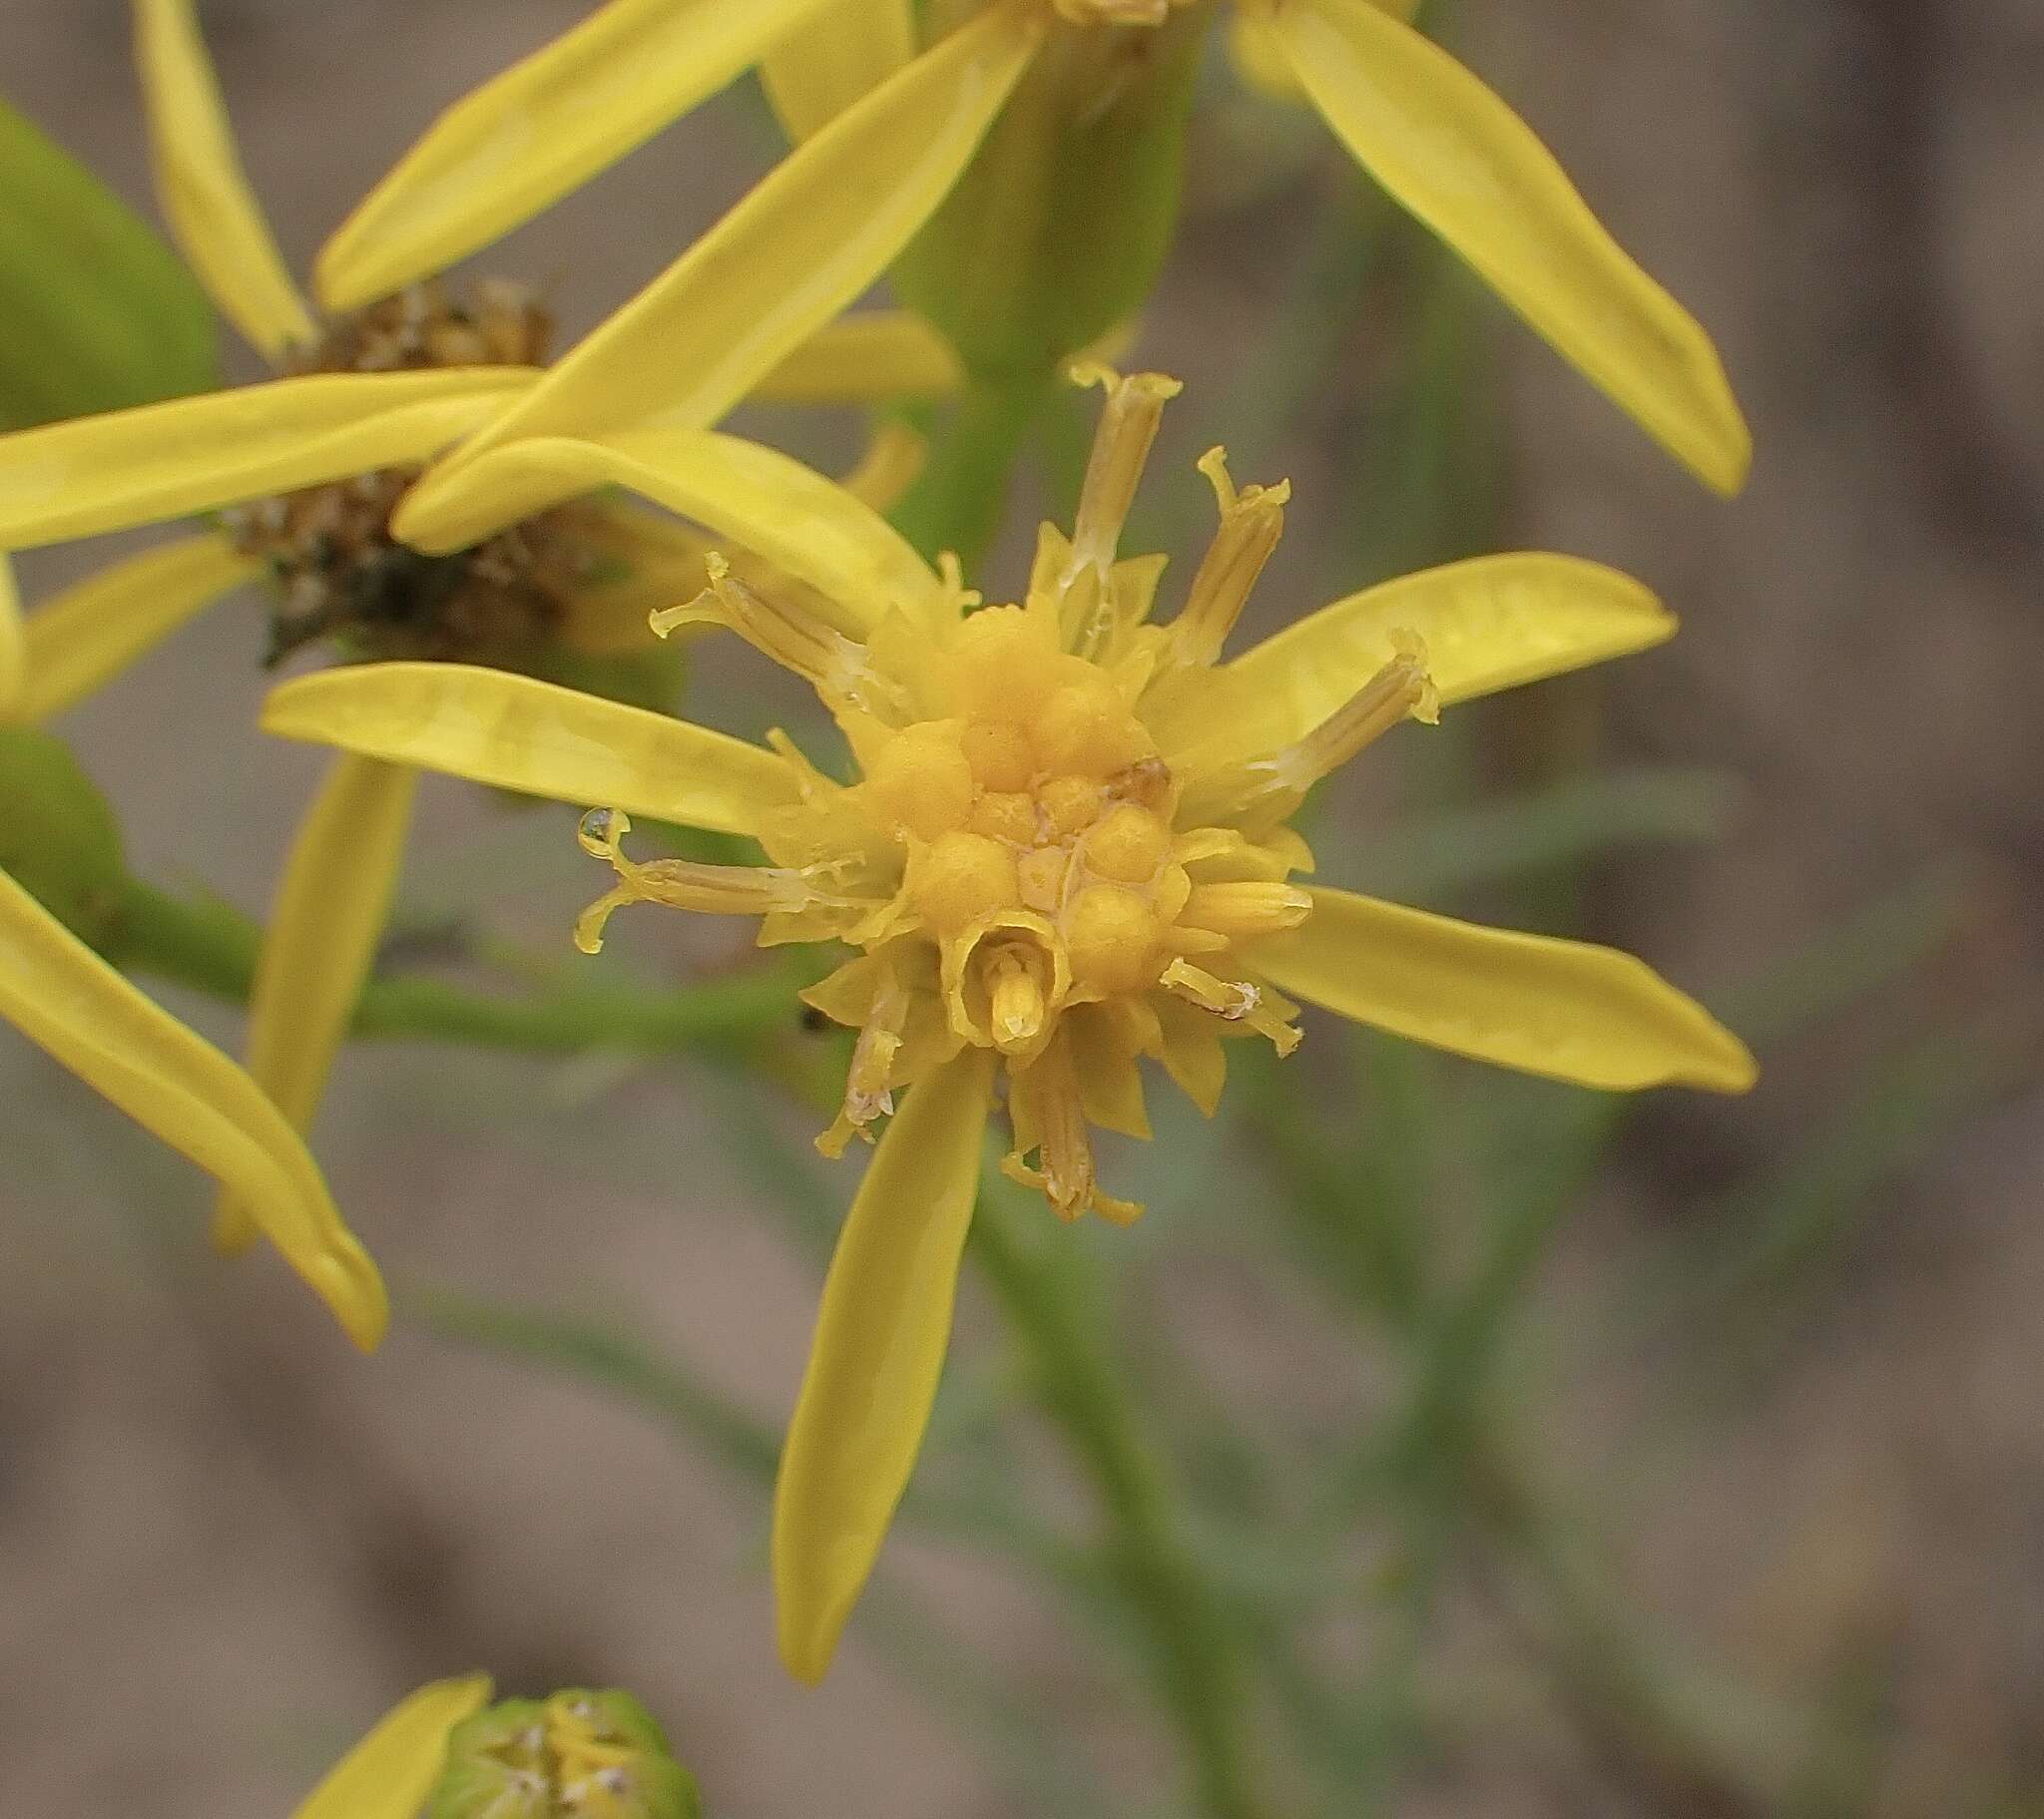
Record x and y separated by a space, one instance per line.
98 312
1053 235
58 839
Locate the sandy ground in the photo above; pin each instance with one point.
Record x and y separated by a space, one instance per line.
226 1542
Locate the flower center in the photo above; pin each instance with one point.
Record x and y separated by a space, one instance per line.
338 572
1036 825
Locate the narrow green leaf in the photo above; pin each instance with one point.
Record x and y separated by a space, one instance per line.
100 313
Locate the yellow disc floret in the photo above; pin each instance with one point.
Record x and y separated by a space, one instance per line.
921 781
1128 844
1111 932
961 878
999 753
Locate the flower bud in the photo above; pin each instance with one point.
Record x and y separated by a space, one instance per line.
577 1756
58 839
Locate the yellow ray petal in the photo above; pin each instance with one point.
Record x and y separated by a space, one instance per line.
1564 1009
814 233
328 916
13 649
1453 154
848 47
1489 624
391 1772
160 461
879 1349
65 998
202 187
870 357
88 634
548 124
804 523
537 737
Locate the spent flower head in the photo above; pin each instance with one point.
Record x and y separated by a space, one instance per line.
1065 851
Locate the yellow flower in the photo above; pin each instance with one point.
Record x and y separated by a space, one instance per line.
1440 142
1068 849
445 1753
304 473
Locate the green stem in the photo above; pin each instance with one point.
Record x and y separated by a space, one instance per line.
1151 1559
959 502
213 948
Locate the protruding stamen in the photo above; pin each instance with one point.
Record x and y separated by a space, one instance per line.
1251 525
793 637
1121 447
1263 791
869 1086
1050 1116
1402 690
1231 1000
712 890
1016 998
1245 910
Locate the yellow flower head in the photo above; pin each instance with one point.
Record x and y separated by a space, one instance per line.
1024 868
306 474
444 1752
893 101
1065 850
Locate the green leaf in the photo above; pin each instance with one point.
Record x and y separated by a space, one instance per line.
58 839
100 313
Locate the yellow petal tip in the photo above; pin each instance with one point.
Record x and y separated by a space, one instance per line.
334 282
1728 474
806 1651
1732 1069
353 1287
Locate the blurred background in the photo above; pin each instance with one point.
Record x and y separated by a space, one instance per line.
1689 1463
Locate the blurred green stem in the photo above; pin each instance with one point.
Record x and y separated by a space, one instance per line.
213 948
1149 1554
959 502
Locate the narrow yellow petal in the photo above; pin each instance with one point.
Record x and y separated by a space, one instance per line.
1487 625
66 999
871 356
536 737
1452 152
88 634
880 1348
328 916
391 1772
775 508
160 461
200 182
13 649
848 47
548 124
814 233
1563 1009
